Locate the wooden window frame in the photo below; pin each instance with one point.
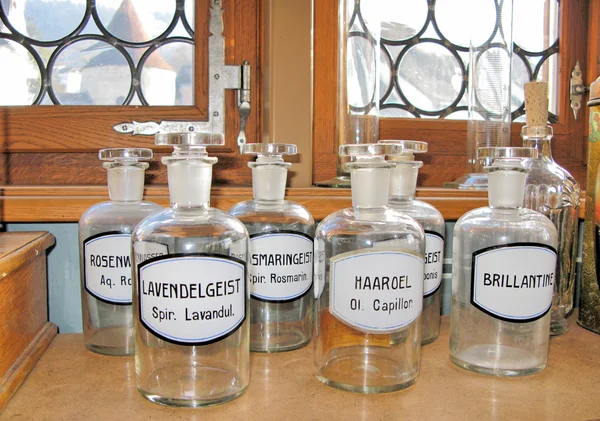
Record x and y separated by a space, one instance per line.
63 158
57 145
446 159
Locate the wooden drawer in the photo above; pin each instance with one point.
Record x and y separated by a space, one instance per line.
25 332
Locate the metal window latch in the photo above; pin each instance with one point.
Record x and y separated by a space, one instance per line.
221 77
578 89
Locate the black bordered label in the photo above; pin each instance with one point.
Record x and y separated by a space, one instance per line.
281 266
192 299
514 282
107 274
434 262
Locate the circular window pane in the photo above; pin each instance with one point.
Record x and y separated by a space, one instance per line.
456 22
400 19
491 80
168 75
430 77
21 81
31 18
520 76
91 72
361 71
535 24
136 20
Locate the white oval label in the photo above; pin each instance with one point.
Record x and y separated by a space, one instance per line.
514 282
192 299
376 291
107 267
281 266
434 262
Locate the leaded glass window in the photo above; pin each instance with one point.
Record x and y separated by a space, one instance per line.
96 52
425 51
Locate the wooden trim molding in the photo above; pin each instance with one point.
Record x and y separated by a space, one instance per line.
67 203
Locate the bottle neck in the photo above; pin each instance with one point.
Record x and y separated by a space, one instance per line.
403 181
268 181
370 187
542 144
506 189
538 137
189 181
126 182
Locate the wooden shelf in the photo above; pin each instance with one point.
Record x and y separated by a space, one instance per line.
70 382
67 203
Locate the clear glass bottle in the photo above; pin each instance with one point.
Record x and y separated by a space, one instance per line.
403 187
280 263
105 252
504 259
368 284
552 191
190 293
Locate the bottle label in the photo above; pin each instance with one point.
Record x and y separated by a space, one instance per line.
319 276
107 267
434 262
192 299
376 291
281 266
514 282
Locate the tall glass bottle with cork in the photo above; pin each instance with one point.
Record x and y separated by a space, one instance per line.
552 191
190 295
280 263
504 258
403 187
105 252
368 284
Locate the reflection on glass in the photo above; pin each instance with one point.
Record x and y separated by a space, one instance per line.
30 17
430 76
91 73
168 76
454 23
87 65
400 19
535 24
136 20
20 82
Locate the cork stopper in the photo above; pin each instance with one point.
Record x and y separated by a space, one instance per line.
536 103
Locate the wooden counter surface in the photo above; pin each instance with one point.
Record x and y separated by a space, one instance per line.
71 383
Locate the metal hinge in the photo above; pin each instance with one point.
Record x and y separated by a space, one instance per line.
221 77
578 89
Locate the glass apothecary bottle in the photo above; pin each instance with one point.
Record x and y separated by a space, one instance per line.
368 284
403 186
105 252
552 191
504 259
280 263
190 293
